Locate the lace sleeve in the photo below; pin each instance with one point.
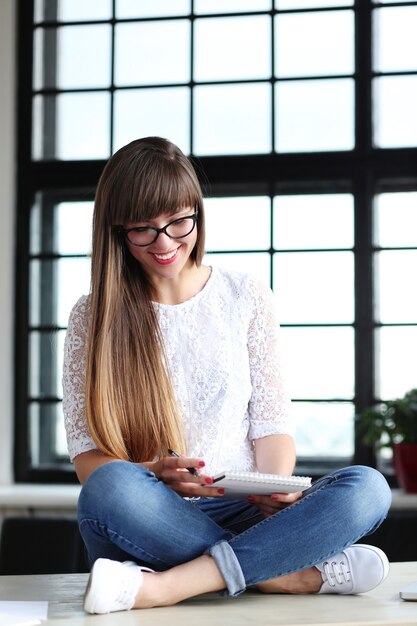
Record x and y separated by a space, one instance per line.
73 381
270 406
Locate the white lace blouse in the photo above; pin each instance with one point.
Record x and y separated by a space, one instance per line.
223 351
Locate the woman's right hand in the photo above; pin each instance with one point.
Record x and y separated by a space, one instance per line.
174 473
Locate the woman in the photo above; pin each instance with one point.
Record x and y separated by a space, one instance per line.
167 353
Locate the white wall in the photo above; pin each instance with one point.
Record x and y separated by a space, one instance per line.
7 211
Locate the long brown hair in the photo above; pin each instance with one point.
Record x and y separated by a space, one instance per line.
131 407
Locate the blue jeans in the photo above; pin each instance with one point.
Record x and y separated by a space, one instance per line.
126 513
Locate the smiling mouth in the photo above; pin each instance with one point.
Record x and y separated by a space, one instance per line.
167 257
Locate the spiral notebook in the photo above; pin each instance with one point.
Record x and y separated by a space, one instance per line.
242 484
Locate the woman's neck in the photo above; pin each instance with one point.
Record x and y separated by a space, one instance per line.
182 287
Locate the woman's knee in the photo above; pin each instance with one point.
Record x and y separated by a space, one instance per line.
370 488
373 482
111 486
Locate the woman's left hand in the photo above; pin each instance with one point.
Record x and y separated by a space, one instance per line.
274 503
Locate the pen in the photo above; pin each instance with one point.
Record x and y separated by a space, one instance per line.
189 469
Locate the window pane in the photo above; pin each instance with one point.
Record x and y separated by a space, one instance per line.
324 429
156 8
314 44
311 4
396 272
82 10
396 219
395 111
313 221
45 364
73 282
231 6
64 228
41 238
237 223
396 361
76 10
83 55
232 48
73 227
314 115
38 58
38 13
46 433
83 121
81 130
38 310
320 362
256 263
148 112
39 107
232 119
153 53
395 39
314 287
56 285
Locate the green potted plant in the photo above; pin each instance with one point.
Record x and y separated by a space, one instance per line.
393 424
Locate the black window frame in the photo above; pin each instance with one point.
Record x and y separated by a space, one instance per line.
364 171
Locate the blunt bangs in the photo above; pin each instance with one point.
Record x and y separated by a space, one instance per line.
155 186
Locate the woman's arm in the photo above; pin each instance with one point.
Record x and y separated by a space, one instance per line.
79 438
86 462
275 454
171 470
270 406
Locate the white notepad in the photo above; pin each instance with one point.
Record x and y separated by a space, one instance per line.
242 484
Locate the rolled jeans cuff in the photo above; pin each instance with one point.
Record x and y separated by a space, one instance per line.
229 567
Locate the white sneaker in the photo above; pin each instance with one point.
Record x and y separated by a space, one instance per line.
357 569
112 586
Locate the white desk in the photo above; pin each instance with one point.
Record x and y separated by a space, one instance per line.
381 606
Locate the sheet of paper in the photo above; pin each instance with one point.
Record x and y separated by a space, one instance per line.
22 613
12 620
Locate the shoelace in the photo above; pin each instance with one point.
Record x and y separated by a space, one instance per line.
336 572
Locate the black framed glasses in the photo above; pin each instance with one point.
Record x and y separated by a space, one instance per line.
145 235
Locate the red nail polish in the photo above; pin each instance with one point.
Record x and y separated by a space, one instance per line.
201 464
208 480
220 492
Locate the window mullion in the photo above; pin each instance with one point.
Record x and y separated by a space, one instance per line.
49 67
363 74
364 307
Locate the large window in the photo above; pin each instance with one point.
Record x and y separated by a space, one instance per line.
300 117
